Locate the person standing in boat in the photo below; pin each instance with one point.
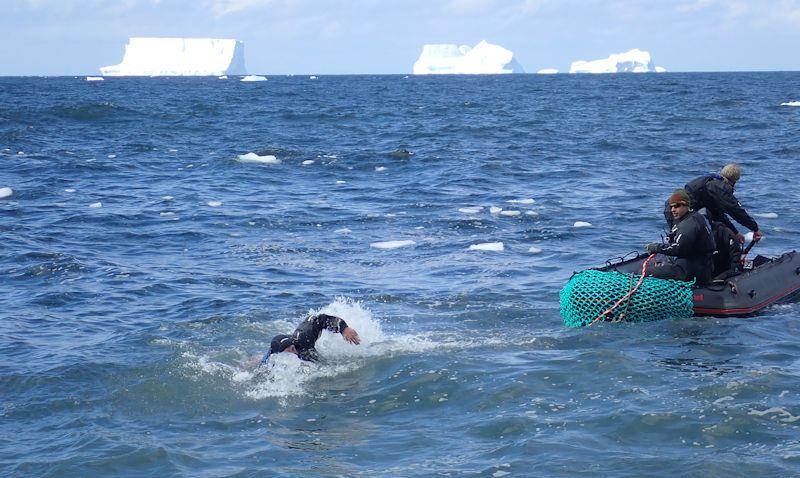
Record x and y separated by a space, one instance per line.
690 247
714 192
305 336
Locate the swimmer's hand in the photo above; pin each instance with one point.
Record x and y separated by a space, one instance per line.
351 335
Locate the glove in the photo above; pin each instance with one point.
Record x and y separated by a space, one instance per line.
653 247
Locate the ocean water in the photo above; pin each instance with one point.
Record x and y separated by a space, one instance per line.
148 258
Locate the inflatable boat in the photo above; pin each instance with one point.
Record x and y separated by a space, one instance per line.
760 283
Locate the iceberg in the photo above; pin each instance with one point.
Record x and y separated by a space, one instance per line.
547 71
633 61
180 57
449 59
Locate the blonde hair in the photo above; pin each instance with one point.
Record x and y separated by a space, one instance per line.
732 172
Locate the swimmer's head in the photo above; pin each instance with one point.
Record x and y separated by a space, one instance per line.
280 343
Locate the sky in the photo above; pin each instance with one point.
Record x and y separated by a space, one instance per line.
76 37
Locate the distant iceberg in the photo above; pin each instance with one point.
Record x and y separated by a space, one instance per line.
451 59
547 71
633 61
180 57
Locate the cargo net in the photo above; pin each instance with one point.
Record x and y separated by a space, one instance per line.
591 296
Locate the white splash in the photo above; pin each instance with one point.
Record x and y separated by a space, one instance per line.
582 224
254 158
391 244
487 246
6 192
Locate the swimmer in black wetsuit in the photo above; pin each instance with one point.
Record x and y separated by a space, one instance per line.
301 342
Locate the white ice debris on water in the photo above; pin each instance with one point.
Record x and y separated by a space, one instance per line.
582 224
487 246
94 78
633 61
495 210
547 71
343 230
380 168
307 162
510 213
6 192
391 244
249 78
96 205
535 250
312 77
766 215
148 56
254 158
448 58
791 103
214 203
470 209
522 201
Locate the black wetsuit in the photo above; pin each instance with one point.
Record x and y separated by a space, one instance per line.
691 244
716 195
307 333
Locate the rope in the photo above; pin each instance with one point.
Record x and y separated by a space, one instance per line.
626 296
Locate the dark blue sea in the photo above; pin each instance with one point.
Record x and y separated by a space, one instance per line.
160 231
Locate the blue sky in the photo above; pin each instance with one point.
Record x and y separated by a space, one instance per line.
63 37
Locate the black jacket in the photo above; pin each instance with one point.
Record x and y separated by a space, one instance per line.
716 195
307 333
691 242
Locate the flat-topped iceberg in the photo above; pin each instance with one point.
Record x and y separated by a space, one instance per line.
449 59
633 61
180 57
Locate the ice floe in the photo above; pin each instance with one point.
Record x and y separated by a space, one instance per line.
307 162
96 205
470 209
487 246
249 78
391 244
535 250
791 103
495 210
94 78
510 213
214 203
6 192
254 158
582 224
380 169
522 201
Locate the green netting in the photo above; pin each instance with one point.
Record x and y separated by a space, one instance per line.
590 293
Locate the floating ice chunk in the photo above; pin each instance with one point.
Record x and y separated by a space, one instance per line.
341 182
633 61
510 213
214 203
96 205
766 215
343 230
487 246
6 192
167 198
307 162
547 71
535 250
94 78
69 190
791 103
380 168
254 78
391 244
312 77
522 201
168 213
471 209
582 224
495 210
223 77
485 58
532 213
661 69
254 158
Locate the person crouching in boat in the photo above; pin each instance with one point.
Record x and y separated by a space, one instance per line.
305 336
690 244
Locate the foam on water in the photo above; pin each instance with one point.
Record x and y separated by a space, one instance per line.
254 158
392 244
